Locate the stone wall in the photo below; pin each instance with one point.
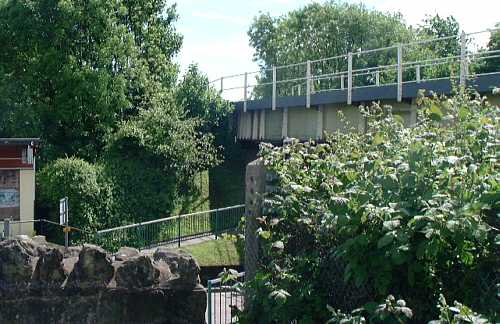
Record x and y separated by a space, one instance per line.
44 283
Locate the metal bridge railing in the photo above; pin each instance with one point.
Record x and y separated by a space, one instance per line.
393 65
173 229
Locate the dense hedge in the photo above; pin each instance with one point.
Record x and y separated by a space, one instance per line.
411 212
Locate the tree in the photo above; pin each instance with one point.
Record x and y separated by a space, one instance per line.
79 67
96 80
438 27
153 158
492 64
319 31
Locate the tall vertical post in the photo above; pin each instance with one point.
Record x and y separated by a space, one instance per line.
417 73
349 78
463 60
377 78
245 93
400 72
342 82
308 84
274 87
255 187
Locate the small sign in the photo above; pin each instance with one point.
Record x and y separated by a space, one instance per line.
63 211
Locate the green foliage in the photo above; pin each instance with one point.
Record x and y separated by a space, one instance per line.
323 30
88 193
493 64
153 158
96 80
408 211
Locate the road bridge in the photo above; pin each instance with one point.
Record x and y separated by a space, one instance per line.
303 100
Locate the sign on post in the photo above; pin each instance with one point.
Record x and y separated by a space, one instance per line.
63 211
64 219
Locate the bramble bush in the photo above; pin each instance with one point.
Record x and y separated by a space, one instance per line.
411 212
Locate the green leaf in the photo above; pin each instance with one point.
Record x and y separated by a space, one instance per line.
435 112
386 239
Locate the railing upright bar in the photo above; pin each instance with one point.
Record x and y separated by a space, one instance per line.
400 72
308 84
463 60
274 88
349 78
245 93
342 81
221 84
6 228
209 302
417 73
377 78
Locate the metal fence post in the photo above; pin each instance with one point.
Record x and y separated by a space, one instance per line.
216 232
463 60
6 228
245 86
209 302
417 73
178 231
377 78
274 88
349 78
400 72
342 81
308 84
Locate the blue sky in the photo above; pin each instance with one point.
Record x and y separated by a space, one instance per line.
215 31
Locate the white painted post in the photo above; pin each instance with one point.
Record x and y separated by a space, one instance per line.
245 86
308 84
463 60
342 81
417 72
284 124
299 90
349 78
377 78
400 72
274 88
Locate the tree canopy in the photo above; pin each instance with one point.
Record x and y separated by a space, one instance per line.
97 82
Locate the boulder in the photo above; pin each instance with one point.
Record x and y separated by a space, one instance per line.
125 253
92 270
16 262
49 269
183 267
136 272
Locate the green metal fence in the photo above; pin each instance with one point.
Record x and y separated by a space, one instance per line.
173 229
224 297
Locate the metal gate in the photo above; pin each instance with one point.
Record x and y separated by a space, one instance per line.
224 297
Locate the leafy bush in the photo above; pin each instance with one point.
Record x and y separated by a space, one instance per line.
408 211
88 193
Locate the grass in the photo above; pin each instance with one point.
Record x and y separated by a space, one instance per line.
222 252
